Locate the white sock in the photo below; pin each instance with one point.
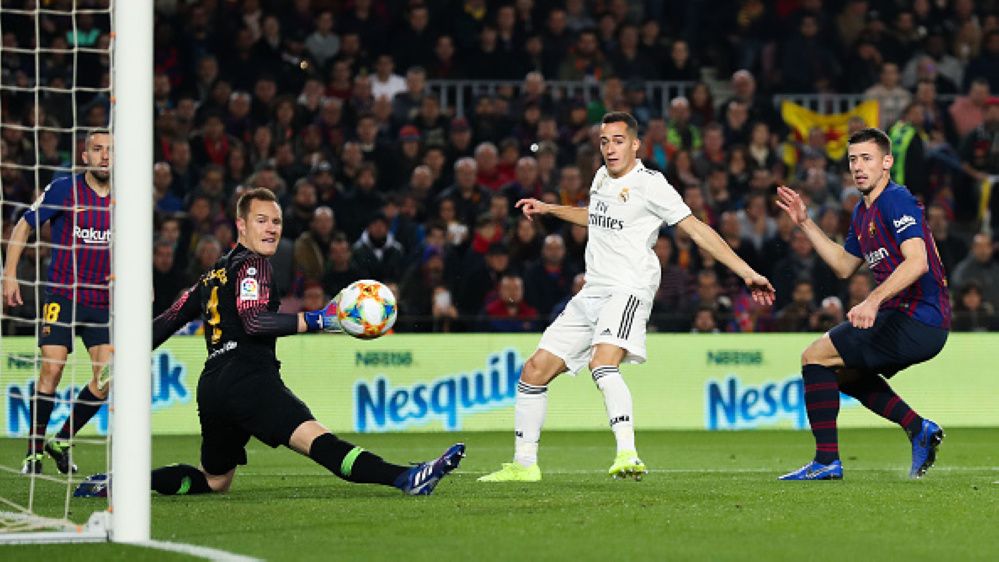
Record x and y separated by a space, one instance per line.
617 399
528 417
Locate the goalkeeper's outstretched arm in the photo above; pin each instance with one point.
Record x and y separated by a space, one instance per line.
183 310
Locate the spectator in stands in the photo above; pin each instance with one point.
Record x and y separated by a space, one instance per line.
972 313
712 152
796 315
340 268
376 254
968 112
406 104
445 65
680 66
479 277
417 291
980 266
548 280
206 253
509 312
951 248
736 124
584 60
470 199
744 89
708 295
986 65
311 246
682 134
801 263
673 286
164 201
704 321
323 44
488 173
807 64
892 98
185 172
909 151
167 284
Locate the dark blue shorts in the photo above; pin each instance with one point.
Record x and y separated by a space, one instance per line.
62 319
895 342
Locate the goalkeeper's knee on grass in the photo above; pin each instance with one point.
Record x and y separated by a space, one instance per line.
179 480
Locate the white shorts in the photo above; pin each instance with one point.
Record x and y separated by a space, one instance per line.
619 319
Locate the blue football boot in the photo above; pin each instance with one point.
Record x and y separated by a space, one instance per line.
94 486
423 478
924 448
817 471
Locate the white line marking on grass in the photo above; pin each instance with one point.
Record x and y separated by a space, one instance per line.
205 552
668 471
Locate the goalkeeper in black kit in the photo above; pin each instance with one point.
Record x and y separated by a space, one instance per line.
240 392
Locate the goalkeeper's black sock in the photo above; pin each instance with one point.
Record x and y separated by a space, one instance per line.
179 480
41 410
352 463
84 408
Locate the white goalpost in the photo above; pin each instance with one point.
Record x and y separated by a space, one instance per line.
132 286
127 451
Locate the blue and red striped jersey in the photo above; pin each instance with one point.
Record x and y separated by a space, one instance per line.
876 236
81 238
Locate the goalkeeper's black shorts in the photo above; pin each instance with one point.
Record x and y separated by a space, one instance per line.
245 397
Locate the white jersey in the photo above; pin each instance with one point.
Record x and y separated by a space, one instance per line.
625 215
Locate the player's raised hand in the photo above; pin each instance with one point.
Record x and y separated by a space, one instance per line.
532 207
760 289
863 315
789 200
12 292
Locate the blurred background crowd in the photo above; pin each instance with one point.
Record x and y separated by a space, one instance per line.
348 111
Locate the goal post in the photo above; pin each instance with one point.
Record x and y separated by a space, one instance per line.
132 286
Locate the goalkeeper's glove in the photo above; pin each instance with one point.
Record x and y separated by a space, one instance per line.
323 319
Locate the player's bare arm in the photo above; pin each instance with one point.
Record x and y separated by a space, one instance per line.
15 247
913 266
840 261
532 207
705 237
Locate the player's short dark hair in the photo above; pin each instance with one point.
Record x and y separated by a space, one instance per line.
622 117
94 132
247 199
872 134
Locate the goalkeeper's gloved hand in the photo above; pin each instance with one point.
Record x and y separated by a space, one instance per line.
323 319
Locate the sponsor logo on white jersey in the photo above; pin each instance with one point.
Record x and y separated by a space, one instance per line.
92 235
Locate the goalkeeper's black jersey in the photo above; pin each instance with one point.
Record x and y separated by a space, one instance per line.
238 306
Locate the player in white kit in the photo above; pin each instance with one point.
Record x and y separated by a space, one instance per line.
604 324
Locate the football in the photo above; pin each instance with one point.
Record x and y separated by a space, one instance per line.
366 309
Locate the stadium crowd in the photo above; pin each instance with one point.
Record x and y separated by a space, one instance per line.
330 105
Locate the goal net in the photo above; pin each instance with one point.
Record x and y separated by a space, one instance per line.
60 75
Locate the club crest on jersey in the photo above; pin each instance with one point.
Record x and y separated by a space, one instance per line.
624 194
249 289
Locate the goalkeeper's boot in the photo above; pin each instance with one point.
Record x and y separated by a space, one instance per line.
816 471
32 463
423 478
514 472
94 486
924 448
61 454
628 465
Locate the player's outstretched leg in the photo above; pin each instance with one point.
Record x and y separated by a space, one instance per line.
354 464
877 396
180 480
617 400
42 404
822 405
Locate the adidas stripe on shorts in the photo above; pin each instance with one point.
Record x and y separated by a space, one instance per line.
593 317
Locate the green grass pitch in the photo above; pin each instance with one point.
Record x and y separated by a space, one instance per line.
710 496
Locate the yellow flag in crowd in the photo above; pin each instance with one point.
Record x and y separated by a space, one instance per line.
802 120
